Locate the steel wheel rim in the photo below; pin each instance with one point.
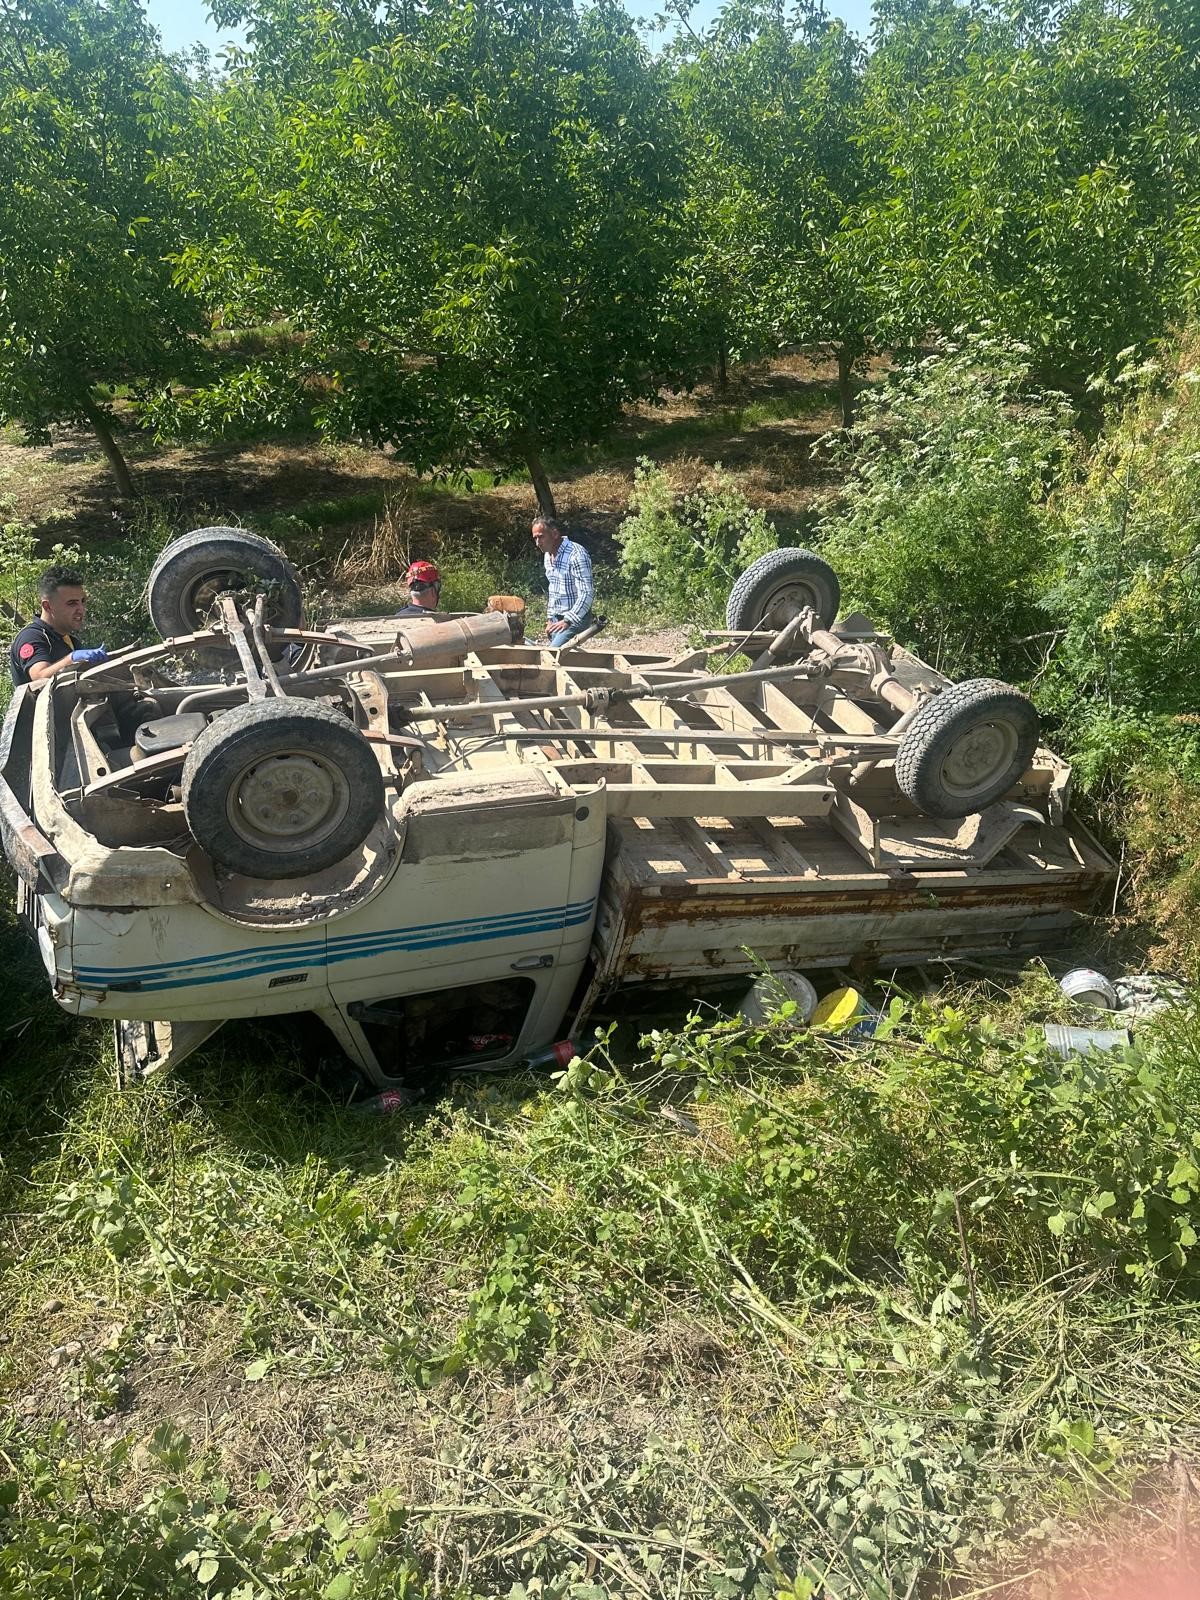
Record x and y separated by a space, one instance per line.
786 602
199 603
979 756
200 597
287 802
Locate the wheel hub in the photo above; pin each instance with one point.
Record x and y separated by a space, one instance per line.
978 756
786 602
288 801
200 601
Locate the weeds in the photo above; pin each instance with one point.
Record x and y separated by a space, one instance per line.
385 555
681 549
848 1322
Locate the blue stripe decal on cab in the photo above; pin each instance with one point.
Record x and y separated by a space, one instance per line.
264 959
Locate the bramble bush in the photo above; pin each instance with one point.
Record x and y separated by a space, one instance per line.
941 532
1126 597
685 550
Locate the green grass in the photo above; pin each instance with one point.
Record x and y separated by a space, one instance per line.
255 340
857 1316
751 1315
729 421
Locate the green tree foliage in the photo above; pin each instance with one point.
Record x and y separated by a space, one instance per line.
465 211
1044 171
769 99
941 533
87 297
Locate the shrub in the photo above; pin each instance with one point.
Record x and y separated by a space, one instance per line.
685 550
1127 601
1121 680
942 532
20 566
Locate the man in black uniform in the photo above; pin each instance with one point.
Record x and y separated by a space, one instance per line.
424 590
51 644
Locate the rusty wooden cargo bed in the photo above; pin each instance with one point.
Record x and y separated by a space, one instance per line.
761 823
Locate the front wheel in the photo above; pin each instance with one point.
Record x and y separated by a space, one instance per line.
193 570
281 788
777 586
966 747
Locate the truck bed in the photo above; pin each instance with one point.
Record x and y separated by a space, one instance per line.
735 841
712 895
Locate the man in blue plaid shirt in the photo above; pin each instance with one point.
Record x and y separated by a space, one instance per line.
569 574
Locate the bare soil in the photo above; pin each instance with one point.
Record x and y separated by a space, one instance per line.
65 492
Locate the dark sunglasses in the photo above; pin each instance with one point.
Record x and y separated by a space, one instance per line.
416 586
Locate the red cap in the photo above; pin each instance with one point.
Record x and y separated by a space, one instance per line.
422 572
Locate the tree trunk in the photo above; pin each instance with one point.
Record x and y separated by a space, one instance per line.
722 368
112 451
541 483
847 355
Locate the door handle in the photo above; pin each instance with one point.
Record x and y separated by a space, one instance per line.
528 963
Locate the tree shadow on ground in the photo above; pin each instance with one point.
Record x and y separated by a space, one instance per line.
238 480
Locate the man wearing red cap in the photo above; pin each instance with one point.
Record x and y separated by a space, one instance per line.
424 590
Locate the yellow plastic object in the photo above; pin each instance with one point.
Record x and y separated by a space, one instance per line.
839 1011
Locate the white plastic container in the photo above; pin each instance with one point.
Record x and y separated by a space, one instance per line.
1081 1041
1090 988
764 997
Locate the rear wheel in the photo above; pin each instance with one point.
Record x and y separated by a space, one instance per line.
966 747
777 586
194 569
281 788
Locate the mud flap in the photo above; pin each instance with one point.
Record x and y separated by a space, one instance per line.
145 1048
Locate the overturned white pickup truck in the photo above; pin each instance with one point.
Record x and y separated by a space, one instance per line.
450 845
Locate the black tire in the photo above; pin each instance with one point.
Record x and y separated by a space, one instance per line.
281 788
966 747
775 587
193 569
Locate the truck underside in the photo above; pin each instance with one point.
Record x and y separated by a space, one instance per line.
550 829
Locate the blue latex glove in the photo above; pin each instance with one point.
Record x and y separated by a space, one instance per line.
89 658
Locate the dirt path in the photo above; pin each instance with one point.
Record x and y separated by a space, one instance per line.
667 641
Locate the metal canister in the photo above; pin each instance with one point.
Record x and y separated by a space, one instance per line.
765 996
436 644
1090 988
846 1012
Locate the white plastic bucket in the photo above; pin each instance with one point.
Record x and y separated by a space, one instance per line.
1090 988
764 997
